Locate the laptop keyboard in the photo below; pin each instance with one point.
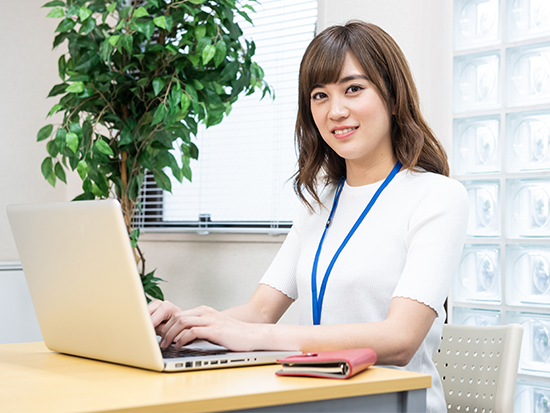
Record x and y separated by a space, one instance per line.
172 352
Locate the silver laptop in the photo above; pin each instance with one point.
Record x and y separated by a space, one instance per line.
87 292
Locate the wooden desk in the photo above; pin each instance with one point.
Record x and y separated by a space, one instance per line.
33 379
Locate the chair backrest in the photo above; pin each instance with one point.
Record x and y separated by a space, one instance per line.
478 367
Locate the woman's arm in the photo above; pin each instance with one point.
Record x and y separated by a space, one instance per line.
395 340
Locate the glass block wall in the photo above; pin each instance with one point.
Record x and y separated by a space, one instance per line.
501 153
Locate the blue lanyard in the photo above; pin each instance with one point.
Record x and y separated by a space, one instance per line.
317 303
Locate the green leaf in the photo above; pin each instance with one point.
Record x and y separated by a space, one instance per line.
200 32
147 28
52 149
106 48
44 133
140 12
47 170
160 113
58 89
76 87
72 141
134 235
111 7
126 136
160 22
158 85
197 1
84 13
88 26
194 59
221 52
54 3
103 147
208 53
86 196
65 26
127 42
114 39
56 13
60 172
73 10
61 138
62 67
54 109
162 180
186 168
185 101
82 169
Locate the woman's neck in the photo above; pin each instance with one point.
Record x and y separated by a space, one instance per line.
359 174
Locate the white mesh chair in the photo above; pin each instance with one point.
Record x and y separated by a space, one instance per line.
478 367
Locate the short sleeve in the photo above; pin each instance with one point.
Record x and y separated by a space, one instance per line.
434 242
281 274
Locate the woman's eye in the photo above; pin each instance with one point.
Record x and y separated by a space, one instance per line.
318 95
354 88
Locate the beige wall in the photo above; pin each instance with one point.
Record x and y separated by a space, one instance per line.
27 73
217 270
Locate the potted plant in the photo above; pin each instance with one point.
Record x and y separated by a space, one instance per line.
138 78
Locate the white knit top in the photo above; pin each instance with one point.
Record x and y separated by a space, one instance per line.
408 245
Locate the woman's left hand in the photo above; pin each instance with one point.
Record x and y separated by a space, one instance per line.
182 327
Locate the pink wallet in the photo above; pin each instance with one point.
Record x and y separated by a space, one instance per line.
337 364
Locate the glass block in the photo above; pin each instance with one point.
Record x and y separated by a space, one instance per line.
528 141
478 276
476 317
526 19
476 145
528 275
484 219
528 75
476 23
476 80
532 396
528 203
535 347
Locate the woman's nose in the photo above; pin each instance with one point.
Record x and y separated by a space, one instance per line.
338 109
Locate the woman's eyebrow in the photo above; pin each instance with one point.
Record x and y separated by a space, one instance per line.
340 81
352 77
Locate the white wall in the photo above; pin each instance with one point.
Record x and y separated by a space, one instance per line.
218 270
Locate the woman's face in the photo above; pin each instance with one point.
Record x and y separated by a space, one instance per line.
353 118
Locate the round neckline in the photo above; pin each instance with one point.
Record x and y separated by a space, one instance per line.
373 186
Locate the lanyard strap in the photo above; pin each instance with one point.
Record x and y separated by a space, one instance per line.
317 302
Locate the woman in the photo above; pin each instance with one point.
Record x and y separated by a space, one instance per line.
374 249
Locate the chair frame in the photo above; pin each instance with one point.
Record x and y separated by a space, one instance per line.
478 367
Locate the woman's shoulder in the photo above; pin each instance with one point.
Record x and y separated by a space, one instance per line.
432 182
435 192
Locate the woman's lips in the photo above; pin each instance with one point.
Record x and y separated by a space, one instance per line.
343 133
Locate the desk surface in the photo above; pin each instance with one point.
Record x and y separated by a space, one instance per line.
34 379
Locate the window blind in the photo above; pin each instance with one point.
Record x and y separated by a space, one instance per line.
242 179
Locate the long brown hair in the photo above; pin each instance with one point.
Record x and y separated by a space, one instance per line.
414 143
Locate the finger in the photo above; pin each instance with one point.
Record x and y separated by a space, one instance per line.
163 312
153 306
177 325
195 333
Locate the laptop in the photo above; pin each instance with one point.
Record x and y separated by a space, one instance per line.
87 293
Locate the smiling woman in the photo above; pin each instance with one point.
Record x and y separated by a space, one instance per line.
375 268
354 121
